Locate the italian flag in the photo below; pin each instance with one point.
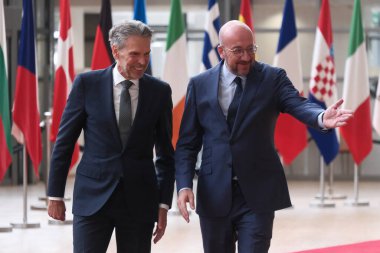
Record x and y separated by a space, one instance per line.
175 69
5 120
358 132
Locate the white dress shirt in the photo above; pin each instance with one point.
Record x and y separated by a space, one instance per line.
227 87
117 87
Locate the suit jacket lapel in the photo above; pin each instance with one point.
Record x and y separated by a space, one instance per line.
213 80
107 80
251 87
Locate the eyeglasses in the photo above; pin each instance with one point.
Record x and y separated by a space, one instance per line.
239 52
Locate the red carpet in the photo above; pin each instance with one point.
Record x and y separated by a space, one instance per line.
363 247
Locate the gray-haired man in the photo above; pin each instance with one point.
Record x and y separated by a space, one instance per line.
124 114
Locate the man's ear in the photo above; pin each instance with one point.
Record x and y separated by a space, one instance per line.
220 51
115 52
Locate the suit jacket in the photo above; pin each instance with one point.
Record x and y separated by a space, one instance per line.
249 147
90 107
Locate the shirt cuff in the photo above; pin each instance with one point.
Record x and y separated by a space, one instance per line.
55 198
165 206
320 121
185 188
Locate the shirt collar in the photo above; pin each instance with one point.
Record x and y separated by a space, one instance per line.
118 78
229 77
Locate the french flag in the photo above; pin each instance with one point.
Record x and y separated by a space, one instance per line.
290 134
323 89
26 115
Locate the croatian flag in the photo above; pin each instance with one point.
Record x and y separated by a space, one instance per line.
210 56
290 134
323 89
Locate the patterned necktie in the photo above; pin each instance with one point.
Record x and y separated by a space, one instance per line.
125 112
233 108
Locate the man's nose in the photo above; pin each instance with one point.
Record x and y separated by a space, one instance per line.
246 55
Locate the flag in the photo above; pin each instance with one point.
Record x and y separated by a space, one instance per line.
139 11
358 132
290 134
175 69
245 14
139 14
102 54
376 111
64 73
26 115
323 90
5 120
210 56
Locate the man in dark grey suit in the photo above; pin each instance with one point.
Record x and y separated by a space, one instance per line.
124 114
231 110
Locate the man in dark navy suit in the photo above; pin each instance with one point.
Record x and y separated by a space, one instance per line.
231 111
125 115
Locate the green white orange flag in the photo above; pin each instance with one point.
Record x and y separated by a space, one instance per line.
358 132
175 69
5 120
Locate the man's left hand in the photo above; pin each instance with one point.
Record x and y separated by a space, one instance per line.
335 117
161 224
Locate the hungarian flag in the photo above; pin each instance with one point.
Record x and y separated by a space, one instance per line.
26 115
139 14
176 76
5 119
102 54
323 90
358 132
210 56
245 14
376 110
290 135
64 73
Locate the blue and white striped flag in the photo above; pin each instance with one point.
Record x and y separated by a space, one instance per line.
210 55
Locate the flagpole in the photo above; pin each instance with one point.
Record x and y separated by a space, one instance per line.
355 201
322 202
25 223
48 147
330 185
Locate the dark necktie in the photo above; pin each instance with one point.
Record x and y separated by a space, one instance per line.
233 108
125 112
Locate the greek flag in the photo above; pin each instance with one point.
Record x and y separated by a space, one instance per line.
210 56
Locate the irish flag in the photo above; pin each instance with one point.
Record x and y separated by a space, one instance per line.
358 132
175 70
5 120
